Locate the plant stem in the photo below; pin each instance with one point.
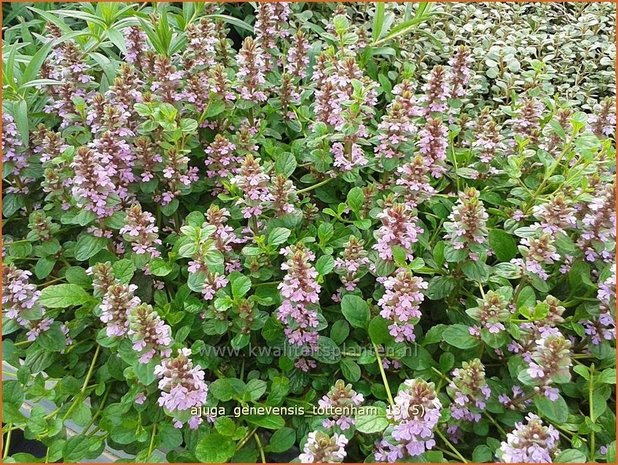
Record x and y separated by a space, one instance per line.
152 437
315 186
91 369
244 440
7 442
592 419
451 446
80 396
260 447
384 380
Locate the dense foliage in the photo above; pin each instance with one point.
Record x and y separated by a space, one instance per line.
311 232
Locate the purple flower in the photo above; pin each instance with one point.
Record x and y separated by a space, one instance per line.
300 297
348 156
491 312
141 232
342 397
149 334
351 263
92 186
467 226
432 145
414 176
436 90
469 390
221 159
136 45
251 69
323 448
551 358
603 121
398 228
19 295
460 71
598 231
117 302
538 252
555 215
254 183
413 417
527 121
283 193
530 443
182 386
400 303
298 55
488 141
396 128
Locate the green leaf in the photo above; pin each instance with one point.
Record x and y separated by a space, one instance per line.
459 336
503 245
440 287
285 164
339 331
214 448
378 330
378 22
63 295
282 440
234 21
88 246
350 370
278 236
227 389
420 17
159 267
570 456
356 199
254 390
606 377
526 298
554 410
240 286
325 264
124 270
328 352
53 339
355 310
266 421
371 420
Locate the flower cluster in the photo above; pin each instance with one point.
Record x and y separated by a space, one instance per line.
149 334
538 252
308 204
182 386
469 391
253 182
551 360
491 312
532 442
414 416
140 230
467 226
118 301
400 304
20 302
351 264
323 448
341 396
398 229
300 293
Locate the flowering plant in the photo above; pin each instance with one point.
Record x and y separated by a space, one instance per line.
273 232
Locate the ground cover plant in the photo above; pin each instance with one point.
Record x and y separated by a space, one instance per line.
309 232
